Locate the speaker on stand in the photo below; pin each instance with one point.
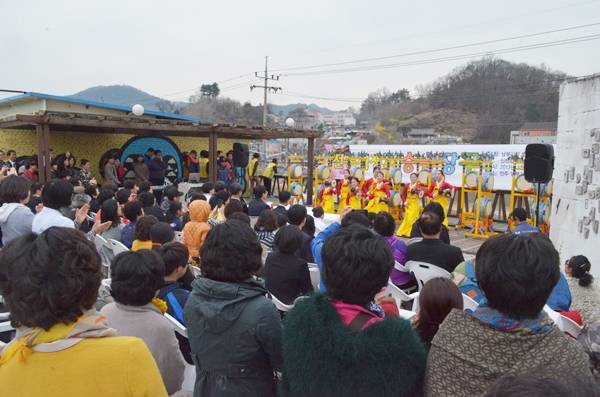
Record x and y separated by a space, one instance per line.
241 157
538 167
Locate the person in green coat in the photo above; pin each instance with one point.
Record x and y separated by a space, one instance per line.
342 344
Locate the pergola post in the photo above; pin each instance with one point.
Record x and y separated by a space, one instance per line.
43 152
310 171
212 155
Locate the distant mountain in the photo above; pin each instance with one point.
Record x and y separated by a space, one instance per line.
285 109
128 96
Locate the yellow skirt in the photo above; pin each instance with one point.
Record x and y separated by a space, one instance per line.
328 205
375 206
355 203
443 201
411 215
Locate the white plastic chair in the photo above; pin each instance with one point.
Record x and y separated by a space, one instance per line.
117 247
553 315
469 303
179 328
401 296
407 314
179 236
569 326
414 240
315 276
6 327
282 307
426 271
105 251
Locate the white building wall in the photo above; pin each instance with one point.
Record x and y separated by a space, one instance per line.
575 213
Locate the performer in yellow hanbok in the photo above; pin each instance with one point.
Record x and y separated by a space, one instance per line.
326 197
354 197
411 199
379 195
440 192
252 171
344 190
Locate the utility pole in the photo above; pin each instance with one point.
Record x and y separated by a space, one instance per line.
266 87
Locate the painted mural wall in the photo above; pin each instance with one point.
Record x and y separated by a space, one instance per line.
576 204
91 146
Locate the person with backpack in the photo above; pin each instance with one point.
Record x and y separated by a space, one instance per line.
176 257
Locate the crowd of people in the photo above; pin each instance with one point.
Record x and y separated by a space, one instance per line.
214 263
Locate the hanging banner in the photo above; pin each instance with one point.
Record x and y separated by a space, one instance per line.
502 157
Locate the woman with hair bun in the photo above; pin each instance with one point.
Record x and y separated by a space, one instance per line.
585 295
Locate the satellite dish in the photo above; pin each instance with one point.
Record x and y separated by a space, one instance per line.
137 109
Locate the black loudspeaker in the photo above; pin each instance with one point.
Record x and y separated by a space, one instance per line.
241 155
539 162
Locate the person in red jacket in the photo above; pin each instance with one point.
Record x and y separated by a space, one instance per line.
440 192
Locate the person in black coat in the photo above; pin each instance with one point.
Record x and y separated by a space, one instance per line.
157 169
259 203
286 275
297 217
437 209
431 249
148 201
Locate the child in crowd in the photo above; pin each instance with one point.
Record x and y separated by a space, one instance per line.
195 231
174 216
161 233
142 233
132 212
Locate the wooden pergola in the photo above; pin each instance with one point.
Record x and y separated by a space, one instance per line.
44 123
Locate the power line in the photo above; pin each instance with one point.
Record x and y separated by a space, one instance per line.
266 87
440 49
452 58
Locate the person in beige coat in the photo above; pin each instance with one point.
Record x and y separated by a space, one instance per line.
136 279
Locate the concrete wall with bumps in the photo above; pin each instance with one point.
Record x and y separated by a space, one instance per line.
576 201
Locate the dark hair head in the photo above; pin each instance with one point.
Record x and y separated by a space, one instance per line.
356 218
147 199
255 155
222 196
580 269
91 190
110 186
219 186
129 184
232 207
75 181
296 214
110 212
14 189
259 191
174 207
133 210
161 233
288 239
196 196
436 208
204 153
170 192
105 194
136 276
520 214
57 193
142 227
10 152
239 216
284 197
207 187
145 186
437 297
356 264
231 252
384 224
123 196
309 226
430 224
267 221
517 273
235 188
49 279
318 212
174 255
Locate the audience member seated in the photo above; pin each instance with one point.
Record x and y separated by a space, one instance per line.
308 228
123 196
259 203
174 215
265 227
170 195
240 216
132 211
347 217
195 231
385 225
437 209
287 276
217 206
50 283
148 201
15 217
161 233
431 249
143 241
111 212
589 339
236 192
437 297
340 344
319 215
534 385
584 293
284 203
234 331
297 217
208 189
232 207
175 255
136 278
512 333
35 199
519 219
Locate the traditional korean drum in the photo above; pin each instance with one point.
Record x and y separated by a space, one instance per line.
522 185
396 198
396 176
323 172
424 177
296 189
485 207
487 183
472 179
357 172
295 171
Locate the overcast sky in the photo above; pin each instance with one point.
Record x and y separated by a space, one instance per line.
168 48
